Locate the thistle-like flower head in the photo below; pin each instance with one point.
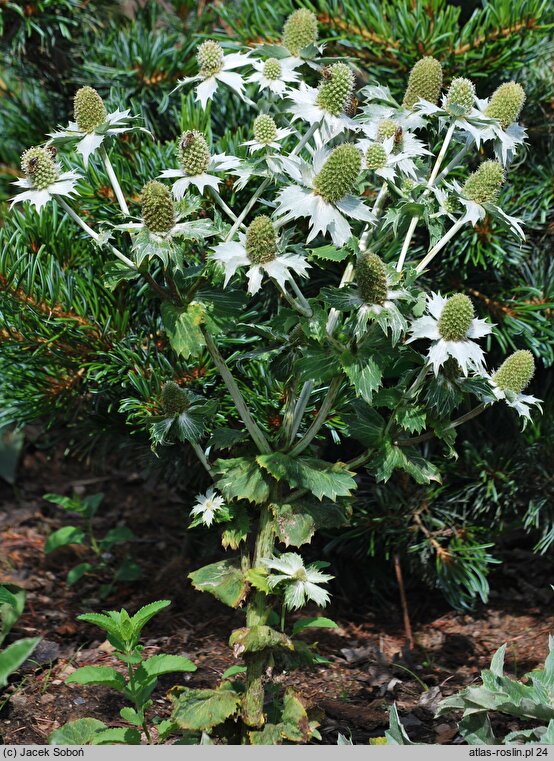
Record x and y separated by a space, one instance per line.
272 69
387 128
39 166
265 129
339 173
194 153
210 58
89 109
515 373
174 399
456 318
506 103
376 156
300 30
335 92
371 277
158 209
483 185
461 94
261 240
425 81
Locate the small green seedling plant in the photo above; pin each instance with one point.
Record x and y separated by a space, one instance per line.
12 602
136 686
101 548
530 699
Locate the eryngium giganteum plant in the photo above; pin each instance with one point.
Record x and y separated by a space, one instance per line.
332 176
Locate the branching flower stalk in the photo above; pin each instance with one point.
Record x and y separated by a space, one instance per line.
272 483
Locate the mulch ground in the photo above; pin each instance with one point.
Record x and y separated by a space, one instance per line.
370 666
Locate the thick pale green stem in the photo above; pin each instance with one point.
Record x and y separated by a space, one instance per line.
257 613
320 419
114 181
254 431
299 410
440 245
199 452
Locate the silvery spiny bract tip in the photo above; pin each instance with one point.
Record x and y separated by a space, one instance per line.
39 166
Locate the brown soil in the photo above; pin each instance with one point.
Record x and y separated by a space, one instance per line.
370 666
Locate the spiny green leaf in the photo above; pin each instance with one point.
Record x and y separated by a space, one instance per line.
320 478
241 478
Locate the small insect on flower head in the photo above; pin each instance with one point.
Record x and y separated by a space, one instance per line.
194 153
461 95
506 103
158 209
336 89
483 186
39 166
89 109
174 399
300 31
425 81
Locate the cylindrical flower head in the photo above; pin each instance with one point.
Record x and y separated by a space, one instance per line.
272 69
300 30
39 166
456 317
515 373
265 129
376 156
210 58
336 89
89 109
483 186
506 103
174 399
425 81
387 128
371 277
339 173
261 240
461 93
194 153
158 211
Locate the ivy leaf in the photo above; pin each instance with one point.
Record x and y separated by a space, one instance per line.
183 328
200 710
241 478
224 580
318 476
365 375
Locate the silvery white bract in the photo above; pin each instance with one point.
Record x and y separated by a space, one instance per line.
218 163
87 142
300 583
147 244
207 506
299 201
387 315
380 105
255 145
400 159
232 255
468 354
303 105
207 88
475 211
519 402
278 86
63 186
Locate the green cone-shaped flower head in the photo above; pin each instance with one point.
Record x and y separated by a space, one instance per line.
210 58
515 373
376 156
461 93
483 186
261 240
194 153
456 317
339 173
272 69
371 277
336 89
158 211
300 30
39 166
506 103
174 399
265 129
425 81
89 109
387 128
